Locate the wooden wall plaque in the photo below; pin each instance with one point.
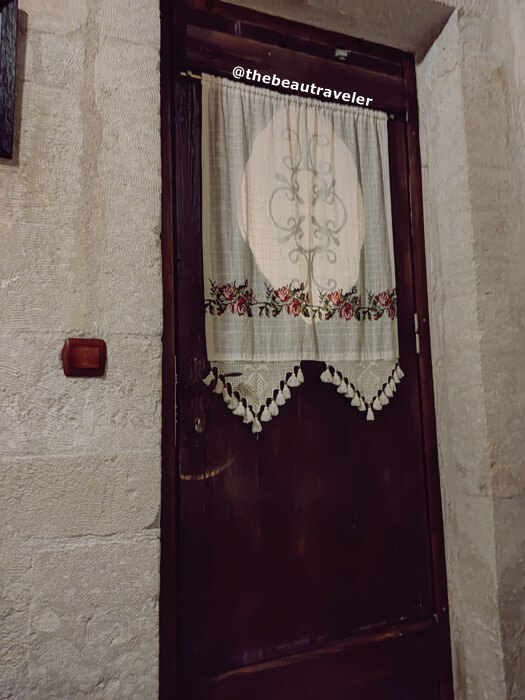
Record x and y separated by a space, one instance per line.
8 29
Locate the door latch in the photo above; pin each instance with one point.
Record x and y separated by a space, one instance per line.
416 331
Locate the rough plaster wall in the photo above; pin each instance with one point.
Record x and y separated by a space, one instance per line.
80 458
476 260
456 349
506 380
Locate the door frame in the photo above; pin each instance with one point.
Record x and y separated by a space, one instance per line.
209 34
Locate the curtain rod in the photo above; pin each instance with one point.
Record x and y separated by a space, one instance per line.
189 74
197 76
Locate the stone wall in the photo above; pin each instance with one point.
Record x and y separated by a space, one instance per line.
79 220
80 458
473 168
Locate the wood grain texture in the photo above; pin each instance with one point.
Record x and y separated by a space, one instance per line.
219 53
318 529
169 483
8 31
286 32
282 36
310 548
392 665
427 409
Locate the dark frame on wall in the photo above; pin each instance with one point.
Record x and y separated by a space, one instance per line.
212 36
8 30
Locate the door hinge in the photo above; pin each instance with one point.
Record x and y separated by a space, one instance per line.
416 331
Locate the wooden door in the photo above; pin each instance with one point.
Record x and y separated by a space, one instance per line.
309 560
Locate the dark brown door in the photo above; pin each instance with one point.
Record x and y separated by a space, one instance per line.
307 558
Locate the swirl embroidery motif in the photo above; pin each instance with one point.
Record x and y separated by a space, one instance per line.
325 232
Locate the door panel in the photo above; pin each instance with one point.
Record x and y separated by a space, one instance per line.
314 531
383 669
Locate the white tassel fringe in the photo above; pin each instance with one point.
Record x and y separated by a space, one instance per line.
266 416
292 381
240 410
296 378
208 379
248 416
326 376
343 387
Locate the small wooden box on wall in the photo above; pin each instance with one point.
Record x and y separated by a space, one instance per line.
8 29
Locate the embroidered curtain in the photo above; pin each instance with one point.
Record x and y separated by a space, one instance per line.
297 249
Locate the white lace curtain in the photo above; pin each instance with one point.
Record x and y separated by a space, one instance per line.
297 249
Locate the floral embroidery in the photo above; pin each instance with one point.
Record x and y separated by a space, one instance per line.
292 298
239 298
350 305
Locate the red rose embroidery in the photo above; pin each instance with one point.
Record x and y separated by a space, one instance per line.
239 306
384 299
240 299
294 307
283 293
227 291
335 298
346 311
